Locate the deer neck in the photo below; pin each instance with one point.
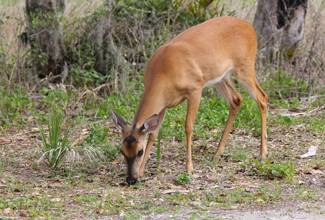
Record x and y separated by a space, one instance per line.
151 103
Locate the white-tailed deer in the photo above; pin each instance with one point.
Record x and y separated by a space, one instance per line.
201 56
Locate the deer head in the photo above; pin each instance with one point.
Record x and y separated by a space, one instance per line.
134 143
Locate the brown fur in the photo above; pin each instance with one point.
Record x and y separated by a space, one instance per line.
179 70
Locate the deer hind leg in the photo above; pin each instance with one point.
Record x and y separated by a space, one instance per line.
249 82
192 107
234 100
151 140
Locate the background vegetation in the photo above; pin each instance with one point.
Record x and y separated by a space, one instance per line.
108 44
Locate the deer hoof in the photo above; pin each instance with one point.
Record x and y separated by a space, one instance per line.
189 167
262 158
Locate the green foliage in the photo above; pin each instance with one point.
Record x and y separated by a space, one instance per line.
12 105
98 137
58 148
86 77
178 198
97 134
137 29
56 98
125 105
314 123
270 169
183 178
55 146
285 85
2 175
158 149
213 113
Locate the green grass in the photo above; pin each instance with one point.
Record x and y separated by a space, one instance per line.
55 147
86 192
9 2
271 170
183 178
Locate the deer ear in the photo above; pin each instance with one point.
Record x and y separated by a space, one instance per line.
118 121
150 125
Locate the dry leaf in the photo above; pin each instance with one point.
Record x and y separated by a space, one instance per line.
210 178
317 167
115 161
195 176
259 194
216 131
174 191
23 213
311 152
260 200
317 172
4 140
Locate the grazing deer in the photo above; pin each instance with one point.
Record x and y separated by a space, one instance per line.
201 56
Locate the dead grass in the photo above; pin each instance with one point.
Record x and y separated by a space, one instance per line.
99 190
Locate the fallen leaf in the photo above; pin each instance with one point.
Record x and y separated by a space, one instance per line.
317 172
311 152
35 194
216 131
210 178
23 213
35 129
174 191
259 194
115 161
317 167
3 186
196 203
45 173
195 176
4 140
260 200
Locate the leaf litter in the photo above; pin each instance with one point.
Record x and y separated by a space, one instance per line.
209 189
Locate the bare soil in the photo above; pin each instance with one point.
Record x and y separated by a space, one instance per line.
99 190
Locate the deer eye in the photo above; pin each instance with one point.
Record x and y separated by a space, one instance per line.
140 152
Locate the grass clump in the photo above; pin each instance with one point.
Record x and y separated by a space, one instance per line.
184 178
270 170
57 148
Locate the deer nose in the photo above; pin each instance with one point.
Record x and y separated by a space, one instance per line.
131 180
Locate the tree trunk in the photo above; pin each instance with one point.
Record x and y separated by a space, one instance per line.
45 37
279 25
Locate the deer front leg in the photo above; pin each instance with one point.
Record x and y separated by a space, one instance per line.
151 140
193 106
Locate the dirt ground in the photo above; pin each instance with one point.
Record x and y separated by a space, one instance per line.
226 190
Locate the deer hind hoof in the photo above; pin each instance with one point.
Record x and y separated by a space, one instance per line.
189 167
262 158
217 157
